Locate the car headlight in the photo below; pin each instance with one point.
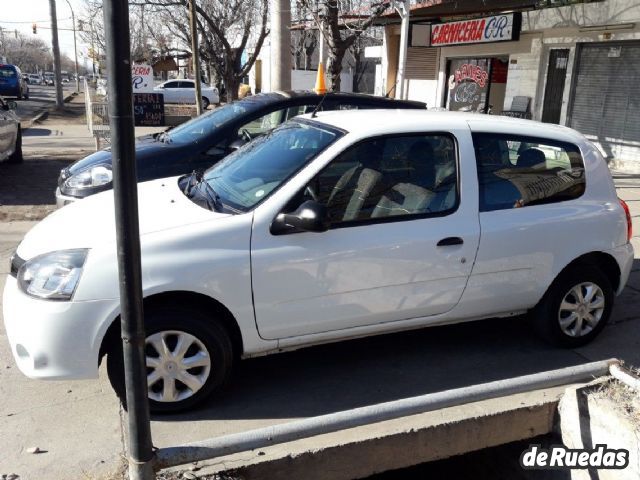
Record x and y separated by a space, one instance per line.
92 177
54 275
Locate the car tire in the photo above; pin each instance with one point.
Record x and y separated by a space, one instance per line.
19 95
205 103
575 308
209 346
16 156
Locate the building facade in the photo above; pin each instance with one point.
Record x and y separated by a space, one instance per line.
576 65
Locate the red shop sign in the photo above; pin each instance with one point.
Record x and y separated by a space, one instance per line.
497 28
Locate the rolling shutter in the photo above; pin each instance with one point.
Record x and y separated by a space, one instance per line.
422 63
605 105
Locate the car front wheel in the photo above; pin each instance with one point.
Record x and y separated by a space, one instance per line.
188 356
575 308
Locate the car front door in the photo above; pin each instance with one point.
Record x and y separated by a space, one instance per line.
171 92
401 245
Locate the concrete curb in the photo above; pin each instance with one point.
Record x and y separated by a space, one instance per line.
43 113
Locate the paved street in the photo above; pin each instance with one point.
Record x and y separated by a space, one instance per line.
78 424
40 98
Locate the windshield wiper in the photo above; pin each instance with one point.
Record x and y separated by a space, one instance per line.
196 182
212 198
164 137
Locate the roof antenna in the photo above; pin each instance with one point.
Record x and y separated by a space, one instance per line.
315 110
320 88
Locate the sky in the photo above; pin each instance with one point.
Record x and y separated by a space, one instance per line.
21 14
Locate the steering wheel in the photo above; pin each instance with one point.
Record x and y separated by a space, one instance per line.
245 135
309 191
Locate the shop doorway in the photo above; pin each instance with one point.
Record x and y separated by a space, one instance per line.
554 89
476 84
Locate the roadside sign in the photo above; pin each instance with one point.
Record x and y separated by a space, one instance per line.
142 78
148 109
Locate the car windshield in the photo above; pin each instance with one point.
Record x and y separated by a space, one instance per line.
201 126
248 176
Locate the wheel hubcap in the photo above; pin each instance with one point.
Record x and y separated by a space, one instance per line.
581 309
178 365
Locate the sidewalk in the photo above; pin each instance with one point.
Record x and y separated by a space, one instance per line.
27 190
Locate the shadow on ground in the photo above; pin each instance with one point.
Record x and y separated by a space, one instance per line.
32 182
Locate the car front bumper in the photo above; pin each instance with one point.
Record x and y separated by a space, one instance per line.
52 339
62 199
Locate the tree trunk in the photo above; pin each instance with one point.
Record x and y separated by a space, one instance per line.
334 67
232 83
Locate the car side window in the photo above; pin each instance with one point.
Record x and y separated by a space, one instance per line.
516 171
395 176
263 124
186 85
172 85
298 110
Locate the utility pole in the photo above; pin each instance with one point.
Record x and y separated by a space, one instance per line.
140 448
75 46
403 9
195 55
280 45
56 54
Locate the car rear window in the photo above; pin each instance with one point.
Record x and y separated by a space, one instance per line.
7 71
516 171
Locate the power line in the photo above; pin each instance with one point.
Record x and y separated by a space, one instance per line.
35 21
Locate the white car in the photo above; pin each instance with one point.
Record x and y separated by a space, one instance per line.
184 91
342 225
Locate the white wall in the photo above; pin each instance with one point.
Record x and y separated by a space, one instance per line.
306 80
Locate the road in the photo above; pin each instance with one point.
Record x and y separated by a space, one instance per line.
78 424
40 97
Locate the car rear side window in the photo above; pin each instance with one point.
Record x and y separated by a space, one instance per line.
517 171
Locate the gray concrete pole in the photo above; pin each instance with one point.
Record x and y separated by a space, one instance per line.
280 45
56 54
195 55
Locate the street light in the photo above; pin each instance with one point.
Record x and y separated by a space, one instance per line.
75 47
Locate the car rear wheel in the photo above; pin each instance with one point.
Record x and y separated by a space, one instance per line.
16 156
188 356
576 307
205 103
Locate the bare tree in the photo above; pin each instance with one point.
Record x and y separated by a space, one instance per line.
342 22
29 53
227 30
304 41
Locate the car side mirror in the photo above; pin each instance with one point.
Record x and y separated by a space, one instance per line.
311 216
11 105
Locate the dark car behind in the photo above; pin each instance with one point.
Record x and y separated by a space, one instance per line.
205 140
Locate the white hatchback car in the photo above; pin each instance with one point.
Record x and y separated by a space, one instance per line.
183 91
329 228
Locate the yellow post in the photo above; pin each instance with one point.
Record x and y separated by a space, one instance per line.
320 87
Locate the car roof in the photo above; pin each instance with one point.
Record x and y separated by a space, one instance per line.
271 97
381 122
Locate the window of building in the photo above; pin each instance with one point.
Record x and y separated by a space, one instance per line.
516 171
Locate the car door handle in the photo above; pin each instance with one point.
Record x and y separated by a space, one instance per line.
449 241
